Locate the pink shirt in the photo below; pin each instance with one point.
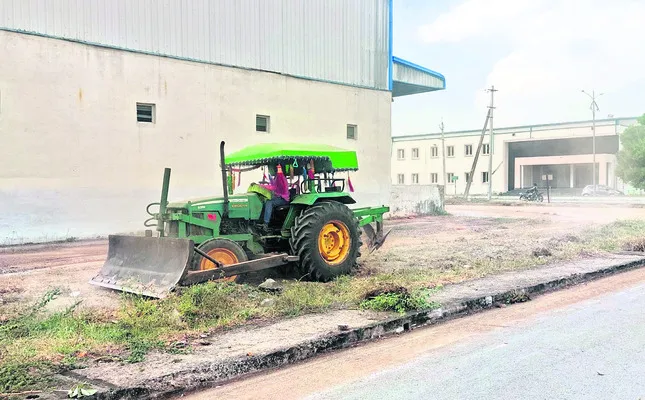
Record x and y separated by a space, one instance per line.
284 195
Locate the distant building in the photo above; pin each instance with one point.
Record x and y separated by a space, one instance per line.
98 96
522 155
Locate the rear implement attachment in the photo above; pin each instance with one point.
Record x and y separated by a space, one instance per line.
367 215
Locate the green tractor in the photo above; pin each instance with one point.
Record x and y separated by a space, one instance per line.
222 238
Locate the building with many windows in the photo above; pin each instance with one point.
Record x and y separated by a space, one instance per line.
98 96
522 156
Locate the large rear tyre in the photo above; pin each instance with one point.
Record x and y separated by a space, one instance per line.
227 252
327 240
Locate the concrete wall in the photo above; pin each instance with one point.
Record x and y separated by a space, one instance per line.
416 200
75 161
344 41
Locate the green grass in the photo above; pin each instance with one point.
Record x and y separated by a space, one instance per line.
35 344
613 237
401 301
33 375
423 264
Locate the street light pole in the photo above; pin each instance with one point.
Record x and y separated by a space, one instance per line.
594 108
593 143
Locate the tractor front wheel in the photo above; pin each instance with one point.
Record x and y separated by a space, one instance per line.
227 252
327 240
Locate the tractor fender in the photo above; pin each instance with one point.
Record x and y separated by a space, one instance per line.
309 199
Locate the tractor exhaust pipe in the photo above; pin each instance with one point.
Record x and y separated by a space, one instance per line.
163 202
224 180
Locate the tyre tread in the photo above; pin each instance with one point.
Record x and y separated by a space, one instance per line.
304 227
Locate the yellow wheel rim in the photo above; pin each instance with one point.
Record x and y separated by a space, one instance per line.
334 242
224 256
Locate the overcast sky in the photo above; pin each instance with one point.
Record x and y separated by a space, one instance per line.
538 53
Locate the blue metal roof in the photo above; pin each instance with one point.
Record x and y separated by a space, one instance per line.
409 78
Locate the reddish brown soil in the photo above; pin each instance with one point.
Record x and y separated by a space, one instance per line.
26 272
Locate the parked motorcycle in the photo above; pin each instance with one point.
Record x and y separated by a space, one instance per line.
532 196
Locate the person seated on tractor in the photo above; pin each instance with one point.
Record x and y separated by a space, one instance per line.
279 189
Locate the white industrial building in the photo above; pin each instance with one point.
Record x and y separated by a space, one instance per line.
98 96
522 156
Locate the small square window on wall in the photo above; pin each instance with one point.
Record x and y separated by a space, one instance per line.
468 150
434 177
467 176
485 177
434 151
351 132
451 177
146 113
415 153
451 151
415 179
400 154
486 149
400 179
262 123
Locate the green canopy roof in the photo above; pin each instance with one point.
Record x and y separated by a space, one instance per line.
326 158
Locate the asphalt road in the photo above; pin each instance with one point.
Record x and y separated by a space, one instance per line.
582 343
594 350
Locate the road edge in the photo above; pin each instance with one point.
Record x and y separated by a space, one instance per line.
209 375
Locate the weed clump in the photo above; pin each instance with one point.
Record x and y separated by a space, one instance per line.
217 304
399 299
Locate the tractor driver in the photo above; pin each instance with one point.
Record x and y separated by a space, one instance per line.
279 195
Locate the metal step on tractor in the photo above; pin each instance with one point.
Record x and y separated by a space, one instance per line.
222 238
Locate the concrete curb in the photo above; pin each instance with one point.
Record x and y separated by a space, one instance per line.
212 374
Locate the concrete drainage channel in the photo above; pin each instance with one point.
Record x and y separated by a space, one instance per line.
206 375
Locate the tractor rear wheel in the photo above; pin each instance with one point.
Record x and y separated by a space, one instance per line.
227 252
327 240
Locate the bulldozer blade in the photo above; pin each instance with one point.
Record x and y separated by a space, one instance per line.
375 239
148 266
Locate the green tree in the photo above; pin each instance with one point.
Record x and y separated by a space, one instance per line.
631 159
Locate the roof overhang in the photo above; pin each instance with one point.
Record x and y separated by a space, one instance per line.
326 158
409 78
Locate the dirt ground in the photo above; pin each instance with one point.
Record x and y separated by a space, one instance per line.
441 242
487 233
27 272
554 213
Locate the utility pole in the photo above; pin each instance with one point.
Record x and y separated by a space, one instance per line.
491 142
443 155
594 108
479 147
